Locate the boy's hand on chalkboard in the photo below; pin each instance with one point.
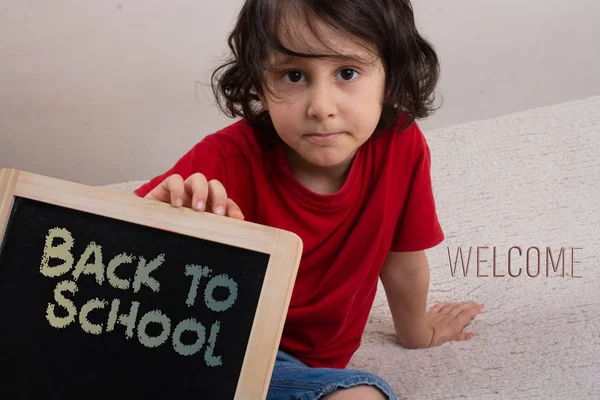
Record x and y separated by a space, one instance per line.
196 193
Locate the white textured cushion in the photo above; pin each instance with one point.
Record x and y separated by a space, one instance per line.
526 179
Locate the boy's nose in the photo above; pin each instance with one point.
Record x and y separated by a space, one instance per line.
322 102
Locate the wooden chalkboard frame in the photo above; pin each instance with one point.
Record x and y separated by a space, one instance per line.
284 249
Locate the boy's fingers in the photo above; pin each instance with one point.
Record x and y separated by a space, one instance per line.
170 190
466 316
436 309
465 336
217 197
461 307
195 192
233 210
463 320
176 188
448 307
459 337
160 192
197 186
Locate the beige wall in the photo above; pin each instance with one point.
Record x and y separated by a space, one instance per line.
105 91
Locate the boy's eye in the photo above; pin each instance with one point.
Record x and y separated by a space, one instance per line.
348 74
293 76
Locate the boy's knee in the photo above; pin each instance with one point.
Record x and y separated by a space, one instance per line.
362 392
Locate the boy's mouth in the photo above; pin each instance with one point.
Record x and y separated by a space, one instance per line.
324 137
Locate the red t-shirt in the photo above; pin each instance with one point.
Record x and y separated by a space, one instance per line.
386 204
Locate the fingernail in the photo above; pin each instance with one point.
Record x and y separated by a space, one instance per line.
178 202
220 210
200 205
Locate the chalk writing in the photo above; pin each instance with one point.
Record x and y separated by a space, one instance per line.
58 261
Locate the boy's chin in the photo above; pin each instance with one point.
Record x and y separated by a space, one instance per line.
325 159
331 162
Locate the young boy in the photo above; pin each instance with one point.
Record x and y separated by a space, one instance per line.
327 148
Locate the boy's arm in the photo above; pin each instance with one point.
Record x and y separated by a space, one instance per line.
405 277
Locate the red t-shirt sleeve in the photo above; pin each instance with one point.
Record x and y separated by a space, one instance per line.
204 158
418 227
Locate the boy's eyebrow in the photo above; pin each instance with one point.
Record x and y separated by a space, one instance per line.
288 59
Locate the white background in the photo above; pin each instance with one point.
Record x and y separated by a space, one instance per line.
100 92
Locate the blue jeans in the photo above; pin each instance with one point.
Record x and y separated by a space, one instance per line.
294 380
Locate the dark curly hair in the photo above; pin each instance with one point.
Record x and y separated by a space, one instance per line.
410 62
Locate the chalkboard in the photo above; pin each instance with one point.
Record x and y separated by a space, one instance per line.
105 294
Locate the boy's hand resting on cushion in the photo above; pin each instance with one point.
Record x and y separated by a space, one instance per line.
447 320
196 193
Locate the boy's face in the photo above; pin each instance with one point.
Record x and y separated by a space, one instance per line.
324 109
